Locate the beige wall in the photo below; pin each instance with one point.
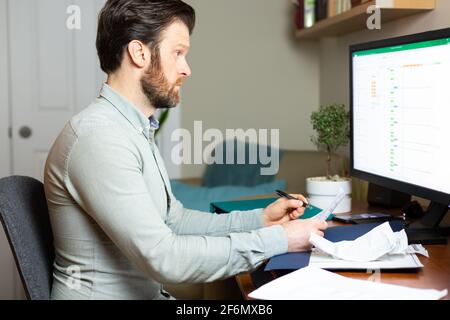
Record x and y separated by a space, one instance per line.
334 61
248 71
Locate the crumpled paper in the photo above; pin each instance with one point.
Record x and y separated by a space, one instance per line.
372 246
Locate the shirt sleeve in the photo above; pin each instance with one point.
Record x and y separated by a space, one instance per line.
193 222
103 175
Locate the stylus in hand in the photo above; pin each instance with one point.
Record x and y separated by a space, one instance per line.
288 196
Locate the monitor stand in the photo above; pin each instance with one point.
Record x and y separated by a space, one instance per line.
427 230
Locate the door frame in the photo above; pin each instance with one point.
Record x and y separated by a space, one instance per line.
5 121
5 113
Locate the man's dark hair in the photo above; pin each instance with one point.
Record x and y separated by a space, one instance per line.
122 21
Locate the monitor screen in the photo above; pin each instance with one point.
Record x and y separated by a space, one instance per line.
400 92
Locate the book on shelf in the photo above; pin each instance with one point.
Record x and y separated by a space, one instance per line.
321 8
299 18
356 3
344 5
336 7
309 10
331 8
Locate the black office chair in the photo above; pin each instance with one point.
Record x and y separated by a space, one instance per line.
24 215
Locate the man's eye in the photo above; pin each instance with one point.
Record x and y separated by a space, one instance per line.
179 53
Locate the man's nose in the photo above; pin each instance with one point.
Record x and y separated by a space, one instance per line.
185 70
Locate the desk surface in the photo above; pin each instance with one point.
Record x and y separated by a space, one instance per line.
434 275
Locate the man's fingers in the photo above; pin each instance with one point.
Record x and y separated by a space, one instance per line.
294 204
319 224
296 214
319 233
300 197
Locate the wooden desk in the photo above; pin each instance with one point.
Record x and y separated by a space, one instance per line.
434 275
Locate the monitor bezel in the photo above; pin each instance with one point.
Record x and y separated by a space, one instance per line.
416 190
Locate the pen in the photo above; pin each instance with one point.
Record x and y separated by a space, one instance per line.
288 196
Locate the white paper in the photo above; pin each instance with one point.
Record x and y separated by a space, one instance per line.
324 214
388 262
372 246
312 283
417 248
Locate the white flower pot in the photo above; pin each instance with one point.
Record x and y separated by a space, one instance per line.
321 193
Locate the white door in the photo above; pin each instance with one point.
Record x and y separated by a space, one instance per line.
54 73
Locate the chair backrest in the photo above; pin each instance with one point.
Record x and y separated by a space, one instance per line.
235 174
24 215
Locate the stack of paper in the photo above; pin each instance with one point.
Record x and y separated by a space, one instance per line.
389 262
380 248
312 283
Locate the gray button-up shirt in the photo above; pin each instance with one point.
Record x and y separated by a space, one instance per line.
119 232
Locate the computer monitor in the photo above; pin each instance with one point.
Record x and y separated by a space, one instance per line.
400 121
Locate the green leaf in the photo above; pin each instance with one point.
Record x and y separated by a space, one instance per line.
162 119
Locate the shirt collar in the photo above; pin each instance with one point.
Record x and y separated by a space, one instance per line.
154 124
141 123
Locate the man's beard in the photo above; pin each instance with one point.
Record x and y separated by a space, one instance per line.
158 89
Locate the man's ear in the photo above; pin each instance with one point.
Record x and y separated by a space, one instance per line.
139 53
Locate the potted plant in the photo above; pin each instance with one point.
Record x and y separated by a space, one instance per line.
332 127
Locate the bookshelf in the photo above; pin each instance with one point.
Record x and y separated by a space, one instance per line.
355 19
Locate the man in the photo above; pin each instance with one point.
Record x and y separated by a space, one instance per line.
119 233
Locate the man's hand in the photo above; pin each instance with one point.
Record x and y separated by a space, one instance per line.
284 210
299 231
